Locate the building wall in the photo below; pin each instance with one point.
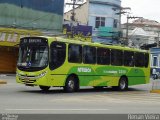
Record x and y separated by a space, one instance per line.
113 2
32 14
81 14
8 59
97 10
151 32
104 8
88 12
155 60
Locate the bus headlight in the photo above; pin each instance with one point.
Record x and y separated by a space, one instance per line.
18 75
42 74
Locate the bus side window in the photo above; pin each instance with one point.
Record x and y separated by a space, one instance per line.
116 57
89 55
75 53
139 59
57 55
128 58
103 56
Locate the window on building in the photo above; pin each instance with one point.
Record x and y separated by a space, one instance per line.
58 54
117 57
89 55
155 61
75 53
100 21
103 56
138 39
128 58
139 59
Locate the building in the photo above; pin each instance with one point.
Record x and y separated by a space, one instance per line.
155 60
102 15
20 18
142 31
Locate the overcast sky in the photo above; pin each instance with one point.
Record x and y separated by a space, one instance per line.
149 9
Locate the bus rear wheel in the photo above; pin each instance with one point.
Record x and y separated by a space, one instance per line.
44 88
123 84
71 84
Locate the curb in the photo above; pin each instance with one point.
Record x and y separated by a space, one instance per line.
3 82
4 75
155 91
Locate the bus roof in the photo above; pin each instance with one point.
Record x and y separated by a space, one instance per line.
75 41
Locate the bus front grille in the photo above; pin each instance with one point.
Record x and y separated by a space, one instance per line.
27 79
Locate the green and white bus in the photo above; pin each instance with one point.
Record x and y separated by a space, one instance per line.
59 62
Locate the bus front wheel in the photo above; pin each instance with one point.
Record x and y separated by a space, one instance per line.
71 84
44 88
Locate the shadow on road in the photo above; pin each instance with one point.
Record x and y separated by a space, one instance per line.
83 91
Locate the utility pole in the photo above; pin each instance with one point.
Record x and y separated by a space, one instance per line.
122 10
127 41
158 42
74 3
127 27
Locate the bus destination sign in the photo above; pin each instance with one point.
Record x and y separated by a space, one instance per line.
33 40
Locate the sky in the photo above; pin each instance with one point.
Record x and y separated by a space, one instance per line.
148 9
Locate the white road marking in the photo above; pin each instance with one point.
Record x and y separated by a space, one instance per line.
56 109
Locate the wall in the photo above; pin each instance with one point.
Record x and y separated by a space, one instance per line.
107 9
81 14
97 9
8 59
32 14
11 36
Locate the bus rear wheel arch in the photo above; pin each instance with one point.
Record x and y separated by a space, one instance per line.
71 84
122 85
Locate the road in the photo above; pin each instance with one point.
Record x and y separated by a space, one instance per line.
16 98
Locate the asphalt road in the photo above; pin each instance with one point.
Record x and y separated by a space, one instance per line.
16 98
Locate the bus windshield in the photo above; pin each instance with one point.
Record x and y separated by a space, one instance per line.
32 57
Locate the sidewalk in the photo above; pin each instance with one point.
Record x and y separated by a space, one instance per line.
3 82
155 86
3 76
155 91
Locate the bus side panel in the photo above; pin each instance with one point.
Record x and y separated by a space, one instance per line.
110 75
57 80
59 75
138 76
95 75
86 74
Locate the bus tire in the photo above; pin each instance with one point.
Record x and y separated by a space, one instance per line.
44 88
122 85
71 84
